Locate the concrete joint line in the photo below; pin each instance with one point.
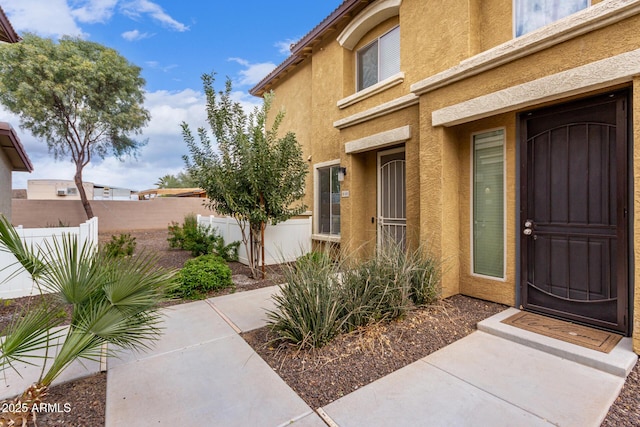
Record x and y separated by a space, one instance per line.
488 392
295 419
225 318
326 418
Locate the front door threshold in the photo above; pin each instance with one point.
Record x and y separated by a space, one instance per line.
620 361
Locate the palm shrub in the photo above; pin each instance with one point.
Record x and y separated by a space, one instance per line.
201 275
114 301
308 308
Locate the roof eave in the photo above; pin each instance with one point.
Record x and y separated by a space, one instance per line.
303 48
7 29
20 162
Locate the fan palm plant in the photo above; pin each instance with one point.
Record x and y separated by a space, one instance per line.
113 301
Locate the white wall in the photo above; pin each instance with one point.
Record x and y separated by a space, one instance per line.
284 242
21 284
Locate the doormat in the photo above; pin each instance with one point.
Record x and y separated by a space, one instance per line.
584 336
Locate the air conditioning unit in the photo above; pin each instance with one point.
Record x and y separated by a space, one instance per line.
62 191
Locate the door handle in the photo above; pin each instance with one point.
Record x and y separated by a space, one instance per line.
527 232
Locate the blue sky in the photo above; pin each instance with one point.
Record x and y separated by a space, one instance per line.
174 42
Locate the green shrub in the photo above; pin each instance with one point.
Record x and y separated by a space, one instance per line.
321 298
200 239
425 278
308 307
122 245
376 289
201 275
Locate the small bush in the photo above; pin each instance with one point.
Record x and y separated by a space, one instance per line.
308 308
122 245
321 298
200 240
201 275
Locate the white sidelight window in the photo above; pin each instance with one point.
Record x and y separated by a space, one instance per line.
379 59
530 15
488 204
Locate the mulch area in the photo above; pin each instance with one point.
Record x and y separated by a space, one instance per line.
322 375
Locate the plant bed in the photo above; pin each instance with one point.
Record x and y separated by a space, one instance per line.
353 360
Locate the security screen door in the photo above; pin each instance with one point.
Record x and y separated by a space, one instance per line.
392 217
574 204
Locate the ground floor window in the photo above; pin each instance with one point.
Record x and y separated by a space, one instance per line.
488 204
329 200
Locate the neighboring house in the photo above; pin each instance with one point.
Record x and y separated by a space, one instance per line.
56 189
12 154
499 133
12 158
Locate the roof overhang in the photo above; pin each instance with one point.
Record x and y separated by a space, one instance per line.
7 33
304 48
10 144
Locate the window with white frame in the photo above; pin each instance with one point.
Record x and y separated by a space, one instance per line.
379 59
328 202
533 14
488 204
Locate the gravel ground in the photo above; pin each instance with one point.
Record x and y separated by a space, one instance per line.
323 375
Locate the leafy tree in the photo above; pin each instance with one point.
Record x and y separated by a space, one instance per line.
181 180
114 301
253 175
82 98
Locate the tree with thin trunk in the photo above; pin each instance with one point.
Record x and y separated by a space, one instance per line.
252 174
82 98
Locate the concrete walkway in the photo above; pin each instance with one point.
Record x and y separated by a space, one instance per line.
201 372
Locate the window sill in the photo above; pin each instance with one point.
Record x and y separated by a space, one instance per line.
385 84
326 238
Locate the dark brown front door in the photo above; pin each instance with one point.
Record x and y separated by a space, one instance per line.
574 211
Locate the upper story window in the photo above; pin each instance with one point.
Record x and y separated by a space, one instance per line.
379 59
533 14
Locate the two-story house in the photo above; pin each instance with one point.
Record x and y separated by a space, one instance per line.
500 133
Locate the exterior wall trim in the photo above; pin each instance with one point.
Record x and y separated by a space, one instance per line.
381 86
370 17
598 16
380 110
596 75
379 140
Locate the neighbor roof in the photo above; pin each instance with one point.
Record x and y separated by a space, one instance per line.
304 47
10 144
7 33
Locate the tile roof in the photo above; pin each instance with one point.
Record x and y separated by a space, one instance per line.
304 47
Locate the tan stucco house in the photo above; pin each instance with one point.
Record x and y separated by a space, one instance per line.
504 134
12 154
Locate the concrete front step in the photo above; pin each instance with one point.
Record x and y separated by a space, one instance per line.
620 361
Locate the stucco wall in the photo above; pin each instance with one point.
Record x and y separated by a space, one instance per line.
5 185
112 214
433 39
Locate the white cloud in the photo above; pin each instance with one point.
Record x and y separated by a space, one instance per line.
134 35
50 18
136 8
93 11
253 73
284 46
